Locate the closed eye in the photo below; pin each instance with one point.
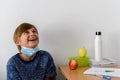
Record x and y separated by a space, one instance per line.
26 32
34 31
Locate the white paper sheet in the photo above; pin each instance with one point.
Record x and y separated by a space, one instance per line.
114 72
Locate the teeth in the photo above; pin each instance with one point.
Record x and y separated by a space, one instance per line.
31 39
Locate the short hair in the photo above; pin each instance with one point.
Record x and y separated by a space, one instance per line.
20 29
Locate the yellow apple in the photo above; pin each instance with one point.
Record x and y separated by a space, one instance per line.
82 52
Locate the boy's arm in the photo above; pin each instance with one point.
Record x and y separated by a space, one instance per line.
12 73
50 69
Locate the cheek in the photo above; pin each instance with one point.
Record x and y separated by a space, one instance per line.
38 40
22 40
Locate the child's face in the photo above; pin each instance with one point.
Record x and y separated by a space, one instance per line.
28 38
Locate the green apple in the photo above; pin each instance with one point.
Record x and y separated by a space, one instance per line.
82 52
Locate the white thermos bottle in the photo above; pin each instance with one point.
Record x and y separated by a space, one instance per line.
98 46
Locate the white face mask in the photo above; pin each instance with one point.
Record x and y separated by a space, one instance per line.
29 51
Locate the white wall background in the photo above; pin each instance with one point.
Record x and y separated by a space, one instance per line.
64 26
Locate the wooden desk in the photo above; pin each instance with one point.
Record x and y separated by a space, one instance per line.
78 74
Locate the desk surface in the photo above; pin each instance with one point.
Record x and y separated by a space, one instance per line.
78 73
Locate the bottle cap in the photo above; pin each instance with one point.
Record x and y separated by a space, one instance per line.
98 33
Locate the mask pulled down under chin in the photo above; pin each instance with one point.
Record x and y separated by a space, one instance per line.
29 51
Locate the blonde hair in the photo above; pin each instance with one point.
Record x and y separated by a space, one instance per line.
20 29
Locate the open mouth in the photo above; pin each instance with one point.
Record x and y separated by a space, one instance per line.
32 39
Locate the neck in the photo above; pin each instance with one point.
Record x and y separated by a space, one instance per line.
26 58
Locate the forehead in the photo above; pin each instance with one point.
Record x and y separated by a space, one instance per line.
31 29
23 29
26 28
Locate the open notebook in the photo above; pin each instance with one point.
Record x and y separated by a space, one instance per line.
114 72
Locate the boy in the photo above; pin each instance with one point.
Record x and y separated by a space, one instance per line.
30 63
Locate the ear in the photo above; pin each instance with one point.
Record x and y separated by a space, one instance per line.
17 43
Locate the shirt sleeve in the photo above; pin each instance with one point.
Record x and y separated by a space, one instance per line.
51 69
12 73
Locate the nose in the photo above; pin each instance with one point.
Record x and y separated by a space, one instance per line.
32 33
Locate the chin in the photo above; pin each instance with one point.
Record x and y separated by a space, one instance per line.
33 45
